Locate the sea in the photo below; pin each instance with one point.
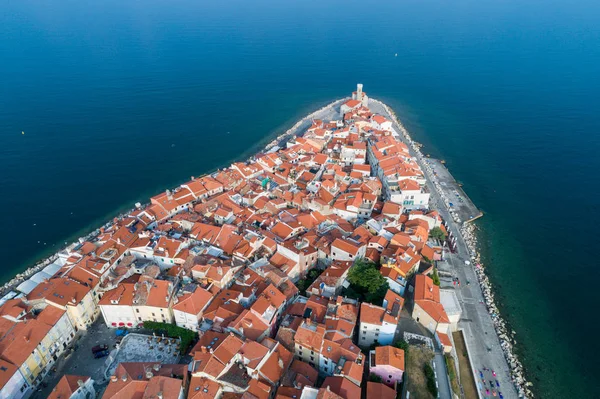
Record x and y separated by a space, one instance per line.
105 103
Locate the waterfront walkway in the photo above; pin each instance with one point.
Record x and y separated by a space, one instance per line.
481 337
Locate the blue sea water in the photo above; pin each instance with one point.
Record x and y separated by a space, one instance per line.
120 100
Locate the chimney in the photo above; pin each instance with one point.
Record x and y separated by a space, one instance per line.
124 377
113 378
328 388
149 374
156 366
80 383
159 395
203 349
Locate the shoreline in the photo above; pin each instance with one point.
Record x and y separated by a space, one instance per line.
466 230
13 283
469 237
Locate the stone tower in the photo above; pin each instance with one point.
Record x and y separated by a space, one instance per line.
360 95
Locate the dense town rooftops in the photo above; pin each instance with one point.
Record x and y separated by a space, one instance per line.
226 254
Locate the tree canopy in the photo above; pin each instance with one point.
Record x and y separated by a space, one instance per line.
366 280
438 234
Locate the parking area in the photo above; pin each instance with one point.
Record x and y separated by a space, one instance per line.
81 361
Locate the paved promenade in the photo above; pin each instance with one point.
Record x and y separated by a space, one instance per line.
481 338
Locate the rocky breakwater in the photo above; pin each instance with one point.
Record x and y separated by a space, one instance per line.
468 233
506 337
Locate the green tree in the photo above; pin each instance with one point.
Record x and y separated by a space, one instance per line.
402 344
366 280
376 297
435 276
437 234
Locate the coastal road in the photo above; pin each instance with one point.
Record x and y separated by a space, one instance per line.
480 335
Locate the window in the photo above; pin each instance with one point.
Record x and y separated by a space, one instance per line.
153 315
363 338
137 310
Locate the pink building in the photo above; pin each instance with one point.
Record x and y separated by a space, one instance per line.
388 363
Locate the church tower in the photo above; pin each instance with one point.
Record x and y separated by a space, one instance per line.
359 92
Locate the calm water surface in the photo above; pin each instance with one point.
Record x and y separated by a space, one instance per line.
119 100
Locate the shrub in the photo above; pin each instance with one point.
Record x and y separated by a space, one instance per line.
435 277
429 374
402 344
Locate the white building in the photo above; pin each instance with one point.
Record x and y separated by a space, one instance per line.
449 301
376 326
381 123
12 383
345 250
189 307
130 304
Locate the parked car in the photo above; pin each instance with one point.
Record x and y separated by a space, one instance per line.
100 354
99 348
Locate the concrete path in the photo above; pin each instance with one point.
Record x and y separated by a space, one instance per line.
441 375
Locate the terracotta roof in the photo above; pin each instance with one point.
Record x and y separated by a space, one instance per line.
389 356
427 296
377 390
345 246
195 302
203 388
342 386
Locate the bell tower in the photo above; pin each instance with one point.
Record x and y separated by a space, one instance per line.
359 92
